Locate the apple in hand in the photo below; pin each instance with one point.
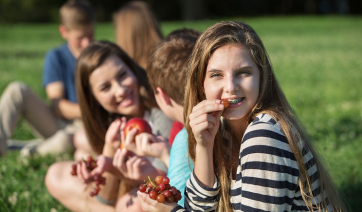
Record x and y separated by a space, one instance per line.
140 124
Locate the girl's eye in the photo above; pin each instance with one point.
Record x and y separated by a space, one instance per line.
105 88
121 75
244 72
215 75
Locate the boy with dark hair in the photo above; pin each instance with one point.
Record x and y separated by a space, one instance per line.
56 124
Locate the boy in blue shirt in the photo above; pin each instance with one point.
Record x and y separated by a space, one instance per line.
55 124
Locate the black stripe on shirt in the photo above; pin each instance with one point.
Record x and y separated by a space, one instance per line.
189 208
270 167
267 150
272 121
315 193
264 133
310 163
200 185
235 192
178 207
238 176
207 199
266 198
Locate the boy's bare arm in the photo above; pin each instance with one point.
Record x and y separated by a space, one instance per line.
61 106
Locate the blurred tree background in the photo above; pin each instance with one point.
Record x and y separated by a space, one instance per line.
43 11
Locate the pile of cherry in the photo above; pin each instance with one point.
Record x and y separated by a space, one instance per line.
91 164
160 190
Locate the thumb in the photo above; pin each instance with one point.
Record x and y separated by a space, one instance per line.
97 171
217 114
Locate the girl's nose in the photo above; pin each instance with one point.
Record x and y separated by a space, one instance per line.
231 85
119 90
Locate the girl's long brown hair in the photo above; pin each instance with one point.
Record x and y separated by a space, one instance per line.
271 100
137 30
95 118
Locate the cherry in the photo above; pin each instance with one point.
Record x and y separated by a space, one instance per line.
173 190
167 193
225 102
160 198
90 164
153 195
142 188
166 180
150 185
156 188
160 190
177 196
170 199
74 170
161 187
159 179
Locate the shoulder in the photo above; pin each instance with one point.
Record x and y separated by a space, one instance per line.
264 126
157 116
180 143
161 124
181 135
56 53
264 135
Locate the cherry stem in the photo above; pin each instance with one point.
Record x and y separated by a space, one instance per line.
152 182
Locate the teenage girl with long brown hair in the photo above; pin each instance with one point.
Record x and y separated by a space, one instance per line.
254 154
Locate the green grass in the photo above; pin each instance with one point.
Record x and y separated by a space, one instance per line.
317 61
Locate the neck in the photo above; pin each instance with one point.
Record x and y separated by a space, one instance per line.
238 127
178 112
73 51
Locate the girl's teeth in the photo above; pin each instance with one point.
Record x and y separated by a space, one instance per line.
235 101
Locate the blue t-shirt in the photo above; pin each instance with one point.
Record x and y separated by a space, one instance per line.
180 165
59 66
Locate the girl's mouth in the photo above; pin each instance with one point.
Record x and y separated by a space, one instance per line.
235 101
127 101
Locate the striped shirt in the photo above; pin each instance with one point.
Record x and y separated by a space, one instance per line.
266 178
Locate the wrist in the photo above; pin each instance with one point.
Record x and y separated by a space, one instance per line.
108 150
202 148
165 157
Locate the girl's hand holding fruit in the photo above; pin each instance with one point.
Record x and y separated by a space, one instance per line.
158 195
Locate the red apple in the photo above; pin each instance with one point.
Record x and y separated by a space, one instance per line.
139 123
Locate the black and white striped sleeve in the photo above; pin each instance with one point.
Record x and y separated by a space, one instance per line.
199 197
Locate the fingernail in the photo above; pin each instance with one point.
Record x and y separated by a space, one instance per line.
221 106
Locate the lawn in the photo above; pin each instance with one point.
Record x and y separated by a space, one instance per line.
317 61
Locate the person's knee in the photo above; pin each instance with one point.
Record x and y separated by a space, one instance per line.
17 90
52 180
79 139
129 201
17 87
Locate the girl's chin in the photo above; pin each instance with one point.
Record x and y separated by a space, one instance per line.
233 116
128 111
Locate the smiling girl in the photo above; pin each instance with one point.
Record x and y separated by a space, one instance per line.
111 89
253 155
